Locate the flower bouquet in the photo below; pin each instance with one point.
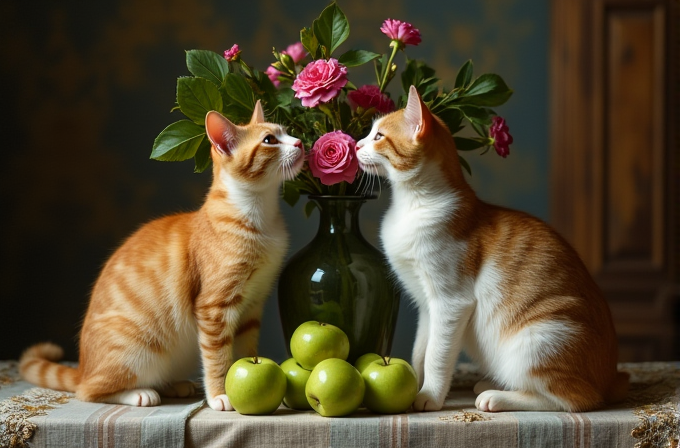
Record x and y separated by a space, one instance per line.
307 88
338 277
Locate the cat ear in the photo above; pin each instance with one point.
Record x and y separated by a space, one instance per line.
416 114
258 114
220 131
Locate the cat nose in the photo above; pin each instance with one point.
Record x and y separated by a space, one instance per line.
359 146
298 144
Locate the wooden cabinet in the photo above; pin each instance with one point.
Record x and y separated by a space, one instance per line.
615 159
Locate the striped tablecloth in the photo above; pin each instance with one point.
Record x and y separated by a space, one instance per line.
55 419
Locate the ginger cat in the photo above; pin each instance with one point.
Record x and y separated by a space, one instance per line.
498 283
187 288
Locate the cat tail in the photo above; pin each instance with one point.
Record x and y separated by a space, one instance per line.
38 365
620 388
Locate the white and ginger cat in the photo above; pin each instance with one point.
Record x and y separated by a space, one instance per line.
187 288
498 283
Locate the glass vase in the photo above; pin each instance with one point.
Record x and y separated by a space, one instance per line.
341 279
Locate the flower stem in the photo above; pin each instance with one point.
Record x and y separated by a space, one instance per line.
336 113
386 69
312 181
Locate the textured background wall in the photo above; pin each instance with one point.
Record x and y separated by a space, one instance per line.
86 86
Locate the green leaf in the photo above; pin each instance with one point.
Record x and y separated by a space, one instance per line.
309 208
476 114
177 142
202 157
285 96
207 64
452 118
345 114
196 97
488 90
355 58
465 165
310 42
464 75
467 144
331 28
288 63
428 92
239 98
479 129
264 90
290 193
418 74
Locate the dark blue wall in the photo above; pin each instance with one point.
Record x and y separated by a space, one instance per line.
86 87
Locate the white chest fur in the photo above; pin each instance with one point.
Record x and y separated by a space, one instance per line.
257 205
419 245
274 246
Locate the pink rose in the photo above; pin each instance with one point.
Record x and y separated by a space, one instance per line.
295 51
500 133
273 75
320 81
402 32
370 96
233 53
333 158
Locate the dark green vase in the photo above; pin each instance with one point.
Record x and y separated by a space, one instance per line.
341 279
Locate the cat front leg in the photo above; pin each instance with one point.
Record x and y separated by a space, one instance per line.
420 345
247 334
216 339
448 320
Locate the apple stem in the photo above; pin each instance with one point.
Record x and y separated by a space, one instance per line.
255 360
386 359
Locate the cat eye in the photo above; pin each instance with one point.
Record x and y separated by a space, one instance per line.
270 140
378 136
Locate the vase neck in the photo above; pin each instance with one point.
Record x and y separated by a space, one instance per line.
338 215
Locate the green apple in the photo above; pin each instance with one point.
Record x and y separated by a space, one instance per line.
335 388
391 386
312 342
364 360
255 385
296 378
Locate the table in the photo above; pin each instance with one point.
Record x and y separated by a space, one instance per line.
650 416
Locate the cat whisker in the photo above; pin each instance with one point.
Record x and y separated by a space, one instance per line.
365 183
379 185
369 186
363 186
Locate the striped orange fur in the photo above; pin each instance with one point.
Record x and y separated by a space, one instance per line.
186 290
498 283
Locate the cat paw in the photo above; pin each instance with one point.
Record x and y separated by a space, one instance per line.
426 402
136 397
490 401
181 389
220 403
499 400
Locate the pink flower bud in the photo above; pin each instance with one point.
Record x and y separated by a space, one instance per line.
500 133
403 32
273 75
233 53
296 51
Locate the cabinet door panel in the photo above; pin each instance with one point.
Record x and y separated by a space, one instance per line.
615 159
